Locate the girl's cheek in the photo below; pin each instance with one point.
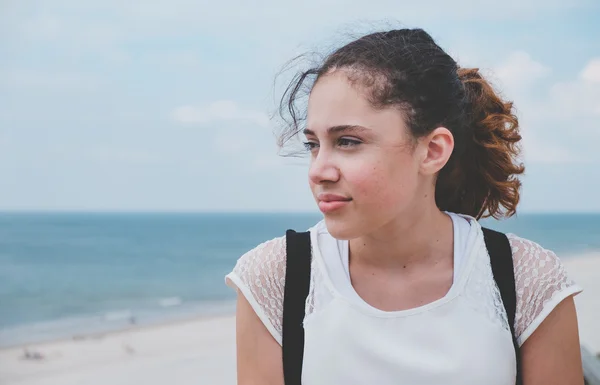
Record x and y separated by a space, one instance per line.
366 179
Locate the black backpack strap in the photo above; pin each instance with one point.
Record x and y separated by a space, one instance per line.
501 260
297 282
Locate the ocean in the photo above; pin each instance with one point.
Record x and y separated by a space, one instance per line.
68 274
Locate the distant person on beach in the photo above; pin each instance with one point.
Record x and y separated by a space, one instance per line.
400 283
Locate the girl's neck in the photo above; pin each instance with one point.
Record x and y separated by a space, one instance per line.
415 238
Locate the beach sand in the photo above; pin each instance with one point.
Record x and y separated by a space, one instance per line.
200 351
585 270
193 352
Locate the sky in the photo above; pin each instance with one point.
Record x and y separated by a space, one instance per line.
165 105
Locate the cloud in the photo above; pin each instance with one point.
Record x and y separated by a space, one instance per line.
263 162
574 99
556 123
579 98
538 150
4 142
186 60
591 72
42 27
66 26
148 53
121 155
520 71
101 22
273 10
230 144
223 110
24 78
552 115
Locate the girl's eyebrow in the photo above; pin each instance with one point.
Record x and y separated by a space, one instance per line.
346 128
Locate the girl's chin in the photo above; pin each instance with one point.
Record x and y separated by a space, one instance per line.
341 227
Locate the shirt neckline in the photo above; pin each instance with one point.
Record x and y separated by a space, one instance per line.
351 297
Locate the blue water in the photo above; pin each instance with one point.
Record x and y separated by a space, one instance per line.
65 274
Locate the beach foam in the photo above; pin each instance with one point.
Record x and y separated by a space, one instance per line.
169 309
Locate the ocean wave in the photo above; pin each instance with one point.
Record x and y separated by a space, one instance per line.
164 310
118 315
171 301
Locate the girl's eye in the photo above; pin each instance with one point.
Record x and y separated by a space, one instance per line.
347 142
309 146
341 142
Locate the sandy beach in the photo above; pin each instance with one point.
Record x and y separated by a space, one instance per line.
193 352
585 270
200 351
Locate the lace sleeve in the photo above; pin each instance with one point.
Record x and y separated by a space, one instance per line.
259 275
541 283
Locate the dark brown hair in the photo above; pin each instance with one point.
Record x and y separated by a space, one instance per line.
407 69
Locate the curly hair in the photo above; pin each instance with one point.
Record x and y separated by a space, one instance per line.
407 69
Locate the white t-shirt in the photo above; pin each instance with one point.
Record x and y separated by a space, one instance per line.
462 338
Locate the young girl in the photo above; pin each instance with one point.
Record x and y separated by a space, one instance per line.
408 151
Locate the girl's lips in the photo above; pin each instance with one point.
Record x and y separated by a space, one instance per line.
327 207
327 197
331 202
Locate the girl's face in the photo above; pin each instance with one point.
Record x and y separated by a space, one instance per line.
366 169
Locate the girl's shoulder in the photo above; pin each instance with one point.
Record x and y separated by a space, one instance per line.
541 283
259 275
